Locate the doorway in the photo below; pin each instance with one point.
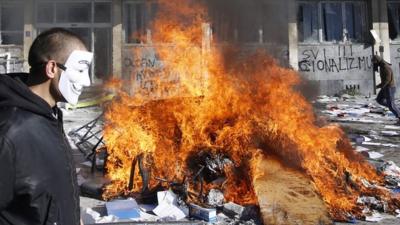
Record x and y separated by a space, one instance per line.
89 19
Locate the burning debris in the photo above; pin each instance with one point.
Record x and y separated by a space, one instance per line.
230 122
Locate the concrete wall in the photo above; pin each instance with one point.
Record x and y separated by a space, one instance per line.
144 72
117 38
395 61
278 51
15 63
29 31
337 67
331 67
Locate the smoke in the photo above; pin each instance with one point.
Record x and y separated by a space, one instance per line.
264 23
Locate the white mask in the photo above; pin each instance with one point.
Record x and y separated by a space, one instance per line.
75 76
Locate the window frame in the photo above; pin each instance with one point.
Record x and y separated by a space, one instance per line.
321 38
397 39
18 3
91 23
124 25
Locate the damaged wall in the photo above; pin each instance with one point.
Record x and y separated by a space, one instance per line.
11 59
249 25
338 67
273 25
334 46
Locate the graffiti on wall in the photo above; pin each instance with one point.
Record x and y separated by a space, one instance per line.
143 72
148 75
333 59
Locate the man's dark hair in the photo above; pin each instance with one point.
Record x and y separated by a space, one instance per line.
53 44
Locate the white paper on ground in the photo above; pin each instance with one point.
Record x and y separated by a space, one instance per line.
169 211
146 217
107 219
371 143
129 203
366 139
390 145
375 217
361 149
166 197
389 133
392 170
89 216
375 155
391 127
323 99
123 208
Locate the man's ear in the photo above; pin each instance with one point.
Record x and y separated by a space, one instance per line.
51 69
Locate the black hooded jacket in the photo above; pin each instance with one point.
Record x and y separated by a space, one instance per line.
37 176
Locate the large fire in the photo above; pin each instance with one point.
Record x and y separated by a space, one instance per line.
232 108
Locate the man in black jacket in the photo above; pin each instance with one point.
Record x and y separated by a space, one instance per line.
37 176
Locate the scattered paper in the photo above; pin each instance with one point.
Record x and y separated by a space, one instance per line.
169 212
108 219
392 169
166 197
89 216
123 209
371 143
146 217
366 139
361 149
375 155
389 133
390 145
375 217
391 127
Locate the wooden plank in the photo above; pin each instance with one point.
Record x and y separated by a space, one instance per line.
286 196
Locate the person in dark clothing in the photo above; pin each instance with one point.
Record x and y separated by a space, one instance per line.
386 95
37 176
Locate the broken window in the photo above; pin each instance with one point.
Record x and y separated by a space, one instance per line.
308 22
394 17
338 21
332 24
137 18
355 21
12 26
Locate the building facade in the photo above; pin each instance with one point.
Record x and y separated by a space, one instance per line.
328 41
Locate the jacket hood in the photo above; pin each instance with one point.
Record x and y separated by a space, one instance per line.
15 93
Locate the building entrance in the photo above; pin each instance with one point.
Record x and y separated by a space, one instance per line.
88 18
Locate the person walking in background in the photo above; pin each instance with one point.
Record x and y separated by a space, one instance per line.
386 95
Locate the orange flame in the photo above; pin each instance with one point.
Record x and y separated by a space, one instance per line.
228 107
